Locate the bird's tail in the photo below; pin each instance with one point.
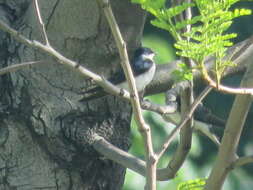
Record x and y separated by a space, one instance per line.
93 93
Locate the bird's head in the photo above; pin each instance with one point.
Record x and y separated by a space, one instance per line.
143 59
144 54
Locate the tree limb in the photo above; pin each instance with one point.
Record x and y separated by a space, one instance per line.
243 161
186 98
227 151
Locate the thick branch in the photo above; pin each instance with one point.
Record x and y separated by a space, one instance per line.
117 155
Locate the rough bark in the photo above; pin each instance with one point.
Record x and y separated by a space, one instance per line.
45 132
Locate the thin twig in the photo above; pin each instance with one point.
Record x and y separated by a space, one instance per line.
223 88
187 117
143 127
16 67
42 25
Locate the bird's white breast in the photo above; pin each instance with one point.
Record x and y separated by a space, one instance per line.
141 80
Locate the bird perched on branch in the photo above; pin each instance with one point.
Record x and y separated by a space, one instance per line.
143 68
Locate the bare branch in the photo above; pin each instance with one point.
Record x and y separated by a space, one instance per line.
42 25
16 67
116 154
143 127
226 89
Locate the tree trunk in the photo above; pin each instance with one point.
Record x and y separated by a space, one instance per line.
45 132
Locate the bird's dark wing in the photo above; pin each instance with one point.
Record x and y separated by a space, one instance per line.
117 78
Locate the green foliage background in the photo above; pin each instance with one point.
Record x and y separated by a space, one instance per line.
202 154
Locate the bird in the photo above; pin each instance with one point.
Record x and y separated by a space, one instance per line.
143 67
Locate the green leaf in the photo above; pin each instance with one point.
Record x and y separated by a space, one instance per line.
196 184
150 5
182 73
161 24
240 12
183 24
174 11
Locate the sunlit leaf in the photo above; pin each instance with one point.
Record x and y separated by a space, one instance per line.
196 184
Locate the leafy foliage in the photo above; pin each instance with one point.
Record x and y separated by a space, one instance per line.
196 184
208 35
183 73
